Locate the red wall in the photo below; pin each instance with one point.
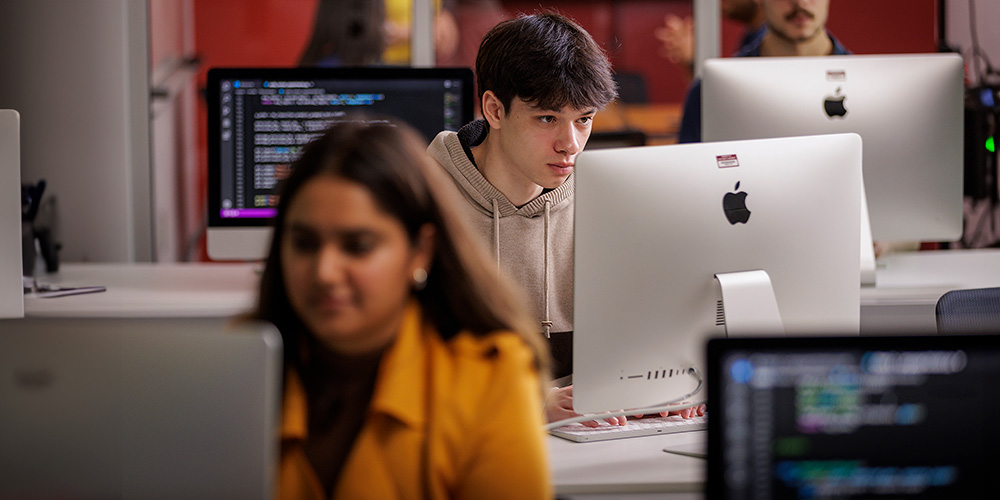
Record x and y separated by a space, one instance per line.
274 32
252 32
625 29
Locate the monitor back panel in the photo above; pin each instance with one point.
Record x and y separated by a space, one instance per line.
853 417
138 408
11 292
908 110
651 232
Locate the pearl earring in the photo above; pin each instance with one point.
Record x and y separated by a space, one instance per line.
419 278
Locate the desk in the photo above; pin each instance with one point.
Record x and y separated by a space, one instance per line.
150 290
909 284
637 467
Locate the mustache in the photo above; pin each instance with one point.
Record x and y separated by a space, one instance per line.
800 10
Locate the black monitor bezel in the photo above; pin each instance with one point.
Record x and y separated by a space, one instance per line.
212 94
718 348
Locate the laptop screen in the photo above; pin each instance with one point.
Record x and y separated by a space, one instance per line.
853 417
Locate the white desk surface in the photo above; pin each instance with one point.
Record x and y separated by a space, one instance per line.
633 465
907 288
909 284
150 290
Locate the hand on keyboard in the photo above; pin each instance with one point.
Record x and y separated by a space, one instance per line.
559 406
694 411
637 427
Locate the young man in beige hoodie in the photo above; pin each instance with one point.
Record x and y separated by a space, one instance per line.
541 79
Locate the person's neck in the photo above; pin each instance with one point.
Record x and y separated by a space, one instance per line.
378 337
494 165
776 46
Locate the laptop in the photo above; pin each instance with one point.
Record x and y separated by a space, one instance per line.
853 417
138 408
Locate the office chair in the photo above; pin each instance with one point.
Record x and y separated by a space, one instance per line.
975 310
631 88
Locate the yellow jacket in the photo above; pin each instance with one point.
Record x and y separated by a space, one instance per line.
472 405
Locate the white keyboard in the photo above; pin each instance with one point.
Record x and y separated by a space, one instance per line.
633 428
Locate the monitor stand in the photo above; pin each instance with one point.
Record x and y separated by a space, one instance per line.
748 306
867 245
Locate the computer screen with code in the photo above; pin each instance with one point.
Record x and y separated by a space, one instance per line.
853 417
259 119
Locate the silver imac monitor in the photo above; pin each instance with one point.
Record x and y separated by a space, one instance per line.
11 289
656 225
260 118
907 108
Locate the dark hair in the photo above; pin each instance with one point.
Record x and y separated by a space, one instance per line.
462 292
547 60
351 31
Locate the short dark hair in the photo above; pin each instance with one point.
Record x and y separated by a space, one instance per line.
547 60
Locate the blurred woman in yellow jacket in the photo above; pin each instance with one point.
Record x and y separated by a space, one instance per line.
411 370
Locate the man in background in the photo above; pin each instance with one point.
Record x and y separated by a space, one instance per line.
792 28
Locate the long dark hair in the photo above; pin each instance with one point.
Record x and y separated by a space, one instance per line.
462 292
352 31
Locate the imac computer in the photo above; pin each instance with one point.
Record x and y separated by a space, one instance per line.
260 118
677 244
908 109
11 269
853 417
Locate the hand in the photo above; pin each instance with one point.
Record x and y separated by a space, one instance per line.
694 411
559 406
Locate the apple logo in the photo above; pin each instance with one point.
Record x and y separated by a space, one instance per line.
834 105
735 206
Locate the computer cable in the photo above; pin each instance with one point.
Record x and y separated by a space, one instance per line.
672 405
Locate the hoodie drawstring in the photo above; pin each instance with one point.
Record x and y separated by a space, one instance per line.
546 323
496 233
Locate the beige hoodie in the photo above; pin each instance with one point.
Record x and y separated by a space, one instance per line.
533 244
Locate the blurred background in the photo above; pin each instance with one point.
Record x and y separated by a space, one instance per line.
113 116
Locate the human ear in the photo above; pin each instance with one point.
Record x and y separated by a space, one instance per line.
423 248
493 110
